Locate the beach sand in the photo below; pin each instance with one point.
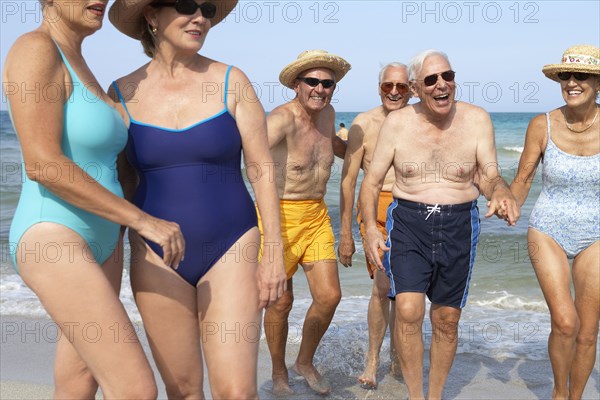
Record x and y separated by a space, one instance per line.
27 353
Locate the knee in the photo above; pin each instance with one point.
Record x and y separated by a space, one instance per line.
328 300
236 392
565 325
587 339
76 386
408 313
283 305
146 390
182 388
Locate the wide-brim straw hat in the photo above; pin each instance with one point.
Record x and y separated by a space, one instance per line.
314 59
580 58
127 15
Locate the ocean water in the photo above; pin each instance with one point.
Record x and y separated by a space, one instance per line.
505 316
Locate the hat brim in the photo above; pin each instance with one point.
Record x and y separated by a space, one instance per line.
128 17
338 65
552 70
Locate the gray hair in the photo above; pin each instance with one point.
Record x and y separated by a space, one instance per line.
416 64
390 65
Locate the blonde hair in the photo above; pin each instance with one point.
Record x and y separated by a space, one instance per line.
147 40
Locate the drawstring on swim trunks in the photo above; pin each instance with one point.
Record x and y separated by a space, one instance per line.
432 209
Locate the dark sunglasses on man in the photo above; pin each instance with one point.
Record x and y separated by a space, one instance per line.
314 82
189 7
387 87
431 80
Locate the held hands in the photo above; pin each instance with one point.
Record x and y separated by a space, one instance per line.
346 249
504 206
272 279
375 243
166 234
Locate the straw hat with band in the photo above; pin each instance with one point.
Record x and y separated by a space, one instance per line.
580 58
314 59
127 15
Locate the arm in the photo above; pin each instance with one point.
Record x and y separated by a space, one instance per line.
250 118
383 158
339 146
350 170
40 64
491 184
530 158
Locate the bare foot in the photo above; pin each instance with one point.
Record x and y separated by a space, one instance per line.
316 382
368 379
281 385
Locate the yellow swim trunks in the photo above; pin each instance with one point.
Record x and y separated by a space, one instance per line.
306 232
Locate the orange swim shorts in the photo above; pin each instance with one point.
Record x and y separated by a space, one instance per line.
385 198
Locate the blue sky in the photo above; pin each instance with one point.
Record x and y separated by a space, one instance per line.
497 47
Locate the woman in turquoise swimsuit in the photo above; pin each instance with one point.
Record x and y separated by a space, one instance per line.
66 226
565 222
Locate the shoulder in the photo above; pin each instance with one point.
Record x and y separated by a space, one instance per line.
282 114
472 112
402 117
34 52
538 126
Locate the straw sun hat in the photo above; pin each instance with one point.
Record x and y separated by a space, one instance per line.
127 15
580 58
314 59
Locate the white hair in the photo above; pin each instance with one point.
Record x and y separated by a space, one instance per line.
416 64
390 65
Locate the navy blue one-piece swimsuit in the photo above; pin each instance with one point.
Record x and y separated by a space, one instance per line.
193 177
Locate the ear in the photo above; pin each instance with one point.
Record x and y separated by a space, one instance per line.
413 89
150 14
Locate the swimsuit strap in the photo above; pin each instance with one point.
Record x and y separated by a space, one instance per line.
227 86
74 77
548 122
121 98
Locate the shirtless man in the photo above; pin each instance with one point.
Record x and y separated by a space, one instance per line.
342 133
303 142
395 93
437 147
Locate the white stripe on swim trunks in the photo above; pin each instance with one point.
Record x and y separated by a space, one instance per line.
432 209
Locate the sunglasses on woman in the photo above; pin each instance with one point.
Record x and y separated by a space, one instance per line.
387 87
189 7
314 82
580 76
431 80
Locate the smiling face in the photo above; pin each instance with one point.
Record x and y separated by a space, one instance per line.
184 33
580 93
314 99
394 78
437 99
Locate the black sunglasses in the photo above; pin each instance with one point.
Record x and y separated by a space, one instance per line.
387 87
189 7
431 80
314 82
580 76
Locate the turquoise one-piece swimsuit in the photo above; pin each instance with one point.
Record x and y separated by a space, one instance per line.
93 135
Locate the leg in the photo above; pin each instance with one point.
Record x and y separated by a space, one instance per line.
276 332
586 279
72 378
552 270
408 336
167 304
444 321
230 320
377 318
81 300
324 284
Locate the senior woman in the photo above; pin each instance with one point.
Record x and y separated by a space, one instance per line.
190 118
66 226
565 222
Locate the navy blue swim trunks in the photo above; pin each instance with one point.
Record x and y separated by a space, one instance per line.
432 249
